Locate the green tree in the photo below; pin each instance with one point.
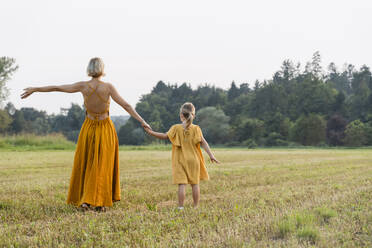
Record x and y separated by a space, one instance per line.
339 80
288 72
40 126
249 128
355 133
5 120
214 123
361 90
75 116
313 68
336 130
18 124
233 92
309 130
130 134
7 68
30 116
278 123
268 100
238 107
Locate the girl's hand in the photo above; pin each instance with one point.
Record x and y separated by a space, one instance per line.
27 92
148 130
214 160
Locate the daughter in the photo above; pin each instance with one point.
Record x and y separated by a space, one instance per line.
188 166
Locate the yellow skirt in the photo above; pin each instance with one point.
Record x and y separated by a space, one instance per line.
95 175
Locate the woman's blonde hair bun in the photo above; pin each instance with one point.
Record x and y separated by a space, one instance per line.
96 68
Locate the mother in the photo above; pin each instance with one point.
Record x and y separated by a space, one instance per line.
95 175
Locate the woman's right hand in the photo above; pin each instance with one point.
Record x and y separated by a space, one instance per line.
27 92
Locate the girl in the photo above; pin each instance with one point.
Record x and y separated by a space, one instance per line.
95 175
188 165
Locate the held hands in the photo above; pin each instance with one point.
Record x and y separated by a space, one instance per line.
147 130
27 92
145 125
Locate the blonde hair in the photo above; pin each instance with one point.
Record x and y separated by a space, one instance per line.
95 68
188 112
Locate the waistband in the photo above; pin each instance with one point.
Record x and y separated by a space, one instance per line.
96 116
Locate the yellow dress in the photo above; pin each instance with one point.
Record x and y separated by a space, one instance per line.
95 175
188 166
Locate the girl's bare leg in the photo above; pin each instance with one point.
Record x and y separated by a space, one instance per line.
181 194
195 194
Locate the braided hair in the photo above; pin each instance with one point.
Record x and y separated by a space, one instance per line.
188 112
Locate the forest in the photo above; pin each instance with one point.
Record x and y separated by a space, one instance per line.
300 105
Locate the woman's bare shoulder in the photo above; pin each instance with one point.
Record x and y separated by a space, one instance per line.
109 85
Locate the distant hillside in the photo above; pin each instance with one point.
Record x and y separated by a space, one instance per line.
119 120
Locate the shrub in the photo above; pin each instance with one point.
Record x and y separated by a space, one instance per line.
355 134
275 139
214 123
250 143
309 130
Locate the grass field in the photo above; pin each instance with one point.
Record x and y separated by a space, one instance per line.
255 198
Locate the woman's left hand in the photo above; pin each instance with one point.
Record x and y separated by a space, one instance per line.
27 92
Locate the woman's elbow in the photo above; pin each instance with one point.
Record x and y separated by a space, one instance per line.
52 88
61 89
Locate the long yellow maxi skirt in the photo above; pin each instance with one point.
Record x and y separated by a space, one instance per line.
95 175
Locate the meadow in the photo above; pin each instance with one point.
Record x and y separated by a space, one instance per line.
255 198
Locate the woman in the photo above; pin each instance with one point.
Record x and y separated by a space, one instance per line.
95 175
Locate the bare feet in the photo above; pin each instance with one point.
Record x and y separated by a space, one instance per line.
100 209
85 207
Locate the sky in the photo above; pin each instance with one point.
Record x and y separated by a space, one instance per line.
194 41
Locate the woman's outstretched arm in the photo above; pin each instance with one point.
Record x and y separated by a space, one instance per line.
119 100
205 146
68 88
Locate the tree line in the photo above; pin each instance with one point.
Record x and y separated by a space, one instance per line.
297 106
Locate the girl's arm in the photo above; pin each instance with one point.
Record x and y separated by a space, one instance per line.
68 88
156 134
126 106
205 146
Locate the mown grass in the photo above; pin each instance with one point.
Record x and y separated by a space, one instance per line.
255 198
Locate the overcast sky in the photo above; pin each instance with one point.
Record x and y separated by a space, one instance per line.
203 41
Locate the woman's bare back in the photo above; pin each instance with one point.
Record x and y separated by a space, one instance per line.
96 98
